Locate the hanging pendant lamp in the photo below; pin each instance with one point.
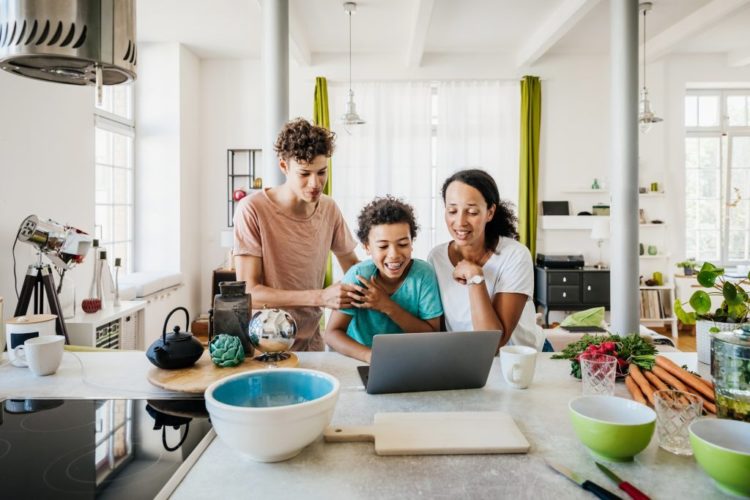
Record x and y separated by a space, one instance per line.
646 117
351 117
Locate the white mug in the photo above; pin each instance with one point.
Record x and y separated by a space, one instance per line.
518 363
22 328
41 354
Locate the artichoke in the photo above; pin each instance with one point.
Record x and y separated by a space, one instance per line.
226 350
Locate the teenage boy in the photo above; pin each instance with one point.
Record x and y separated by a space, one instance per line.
282 235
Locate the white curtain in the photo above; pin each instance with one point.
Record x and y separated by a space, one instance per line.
478 127
390 154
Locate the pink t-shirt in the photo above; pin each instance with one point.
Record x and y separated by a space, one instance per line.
294 252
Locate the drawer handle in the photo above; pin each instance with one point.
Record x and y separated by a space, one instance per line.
565 294
588 288
565 280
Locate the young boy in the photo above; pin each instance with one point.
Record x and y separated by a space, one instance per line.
282 235
394 293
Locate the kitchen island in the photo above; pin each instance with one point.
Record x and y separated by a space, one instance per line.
352 470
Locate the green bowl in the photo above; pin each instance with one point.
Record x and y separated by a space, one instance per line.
613 429
722 449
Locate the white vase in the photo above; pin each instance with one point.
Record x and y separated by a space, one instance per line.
703 337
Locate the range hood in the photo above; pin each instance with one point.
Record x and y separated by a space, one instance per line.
78 42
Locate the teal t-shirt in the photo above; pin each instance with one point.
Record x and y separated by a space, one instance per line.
418 294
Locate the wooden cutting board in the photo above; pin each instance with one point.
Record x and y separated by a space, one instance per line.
197 378
438 433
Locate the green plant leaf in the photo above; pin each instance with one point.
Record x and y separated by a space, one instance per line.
730 293
713 329
686 318
707 266
737 312
707 278
701 302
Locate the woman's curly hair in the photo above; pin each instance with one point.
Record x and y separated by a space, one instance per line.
302 141
504 221
385 210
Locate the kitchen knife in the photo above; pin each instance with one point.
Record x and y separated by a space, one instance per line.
587 485
625 486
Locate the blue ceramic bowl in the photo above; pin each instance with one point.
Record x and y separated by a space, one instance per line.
271 415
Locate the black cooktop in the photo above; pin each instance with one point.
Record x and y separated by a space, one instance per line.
76 449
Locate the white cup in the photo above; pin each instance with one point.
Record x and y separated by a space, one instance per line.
41 354
518 363
22 328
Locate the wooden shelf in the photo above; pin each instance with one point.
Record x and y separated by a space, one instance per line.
655 257
652 195
652 225
568 222
655 287
586 191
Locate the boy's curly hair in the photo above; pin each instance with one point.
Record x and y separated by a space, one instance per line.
385 210
302 141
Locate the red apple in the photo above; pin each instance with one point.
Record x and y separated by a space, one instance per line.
239 193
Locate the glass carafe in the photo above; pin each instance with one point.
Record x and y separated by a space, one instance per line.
730 367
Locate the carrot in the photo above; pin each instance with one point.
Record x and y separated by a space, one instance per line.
634 390
655 381
639 379
684 376
668 378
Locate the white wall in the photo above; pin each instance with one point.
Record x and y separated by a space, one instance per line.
46 168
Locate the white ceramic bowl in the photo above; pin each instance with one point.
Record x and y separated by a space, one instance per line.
271 415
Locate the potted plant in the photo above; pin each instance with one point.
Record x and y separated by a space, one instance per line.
733 311
688 266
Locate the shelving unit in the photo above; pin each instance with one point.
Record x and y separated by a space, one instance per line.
240 174
672 319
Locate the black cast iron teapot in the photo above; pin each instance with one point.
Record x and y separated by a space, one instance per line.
177 349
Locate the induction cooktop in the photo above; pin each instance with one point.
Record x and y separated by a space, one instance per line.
113 449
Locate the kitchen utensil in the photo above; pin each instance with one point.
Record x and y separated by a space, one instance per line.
613 429
41 354
195 379
730 367
625 486
176 350
22 328
271 415
584 483
436 433
598 373
675 411
518 363
722 449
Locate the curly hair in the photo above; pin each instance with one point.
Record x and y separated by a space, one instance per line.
504 221
302 141
385 210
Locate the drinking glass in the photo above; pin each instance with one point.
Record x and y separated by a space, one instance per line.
598 374
675 411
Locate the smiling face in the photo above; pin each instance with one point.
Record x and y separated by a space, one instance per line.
390 246
466 214
306 180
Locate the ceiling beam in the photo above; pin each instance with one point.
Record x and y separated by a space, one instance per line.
421 24
552 30
738 57
692 24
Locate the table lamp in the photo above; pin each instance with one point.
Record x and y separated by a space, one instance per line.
227 241
599 233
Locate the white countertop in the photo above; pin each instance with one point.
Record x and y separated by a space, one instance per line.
352 470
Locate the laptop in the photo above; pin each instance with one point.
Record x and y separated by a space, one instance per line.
435 361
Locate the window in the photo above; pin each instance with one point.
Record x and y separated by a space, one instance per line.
717 176
115 133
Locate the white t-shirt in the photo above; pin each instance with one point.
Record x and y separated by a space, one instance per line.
508 270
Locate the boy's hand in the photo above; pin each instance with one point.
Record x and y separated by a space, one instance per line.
465 270
371 296
337 296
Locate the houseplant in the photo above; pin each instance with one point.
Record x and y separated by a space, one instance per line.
688 266
733 311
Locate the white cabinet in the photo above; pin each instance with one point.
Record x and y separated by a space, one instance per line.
112 327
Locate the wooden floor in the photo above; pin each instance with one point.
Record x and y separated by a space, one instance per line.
686 337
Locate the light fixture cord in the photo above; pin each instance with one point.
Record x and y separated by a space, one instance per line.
644 47
350 53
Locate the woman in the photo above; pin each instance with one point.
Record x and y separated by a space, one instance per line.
486 277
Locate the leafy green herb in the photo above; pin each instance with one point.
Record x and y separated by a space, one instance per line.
628 349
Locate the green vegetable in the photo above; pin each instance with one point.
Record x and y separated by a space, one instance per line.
226 350
628 349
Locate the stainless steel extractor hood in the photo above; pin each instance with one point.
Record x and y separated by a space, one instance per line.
69 41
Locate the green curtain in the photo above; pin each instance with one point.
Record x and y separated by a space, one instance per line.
320 117
531 118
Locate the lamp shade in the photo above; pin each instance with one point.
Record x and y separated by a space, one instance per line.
600 228
227 239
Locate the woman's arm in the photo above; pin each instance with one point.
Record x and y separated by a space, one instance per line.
337 338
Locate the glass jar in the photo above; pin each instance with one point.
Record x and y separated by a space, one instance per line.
730 367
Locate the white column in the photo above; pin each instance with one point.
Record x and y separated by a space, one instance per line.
276 85
624 292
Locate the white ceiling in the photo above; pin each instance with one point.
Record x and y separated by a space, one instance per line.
232 28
